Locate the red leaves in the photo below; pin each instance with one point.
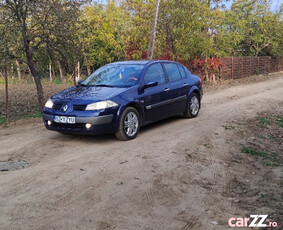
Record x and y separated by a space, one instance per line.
133 51
199 66
196 65
166 55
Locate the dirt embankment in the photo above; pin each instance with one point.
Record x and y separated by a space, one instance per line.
178 173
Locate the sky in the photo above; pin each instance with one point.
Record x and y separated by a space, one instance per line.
274 3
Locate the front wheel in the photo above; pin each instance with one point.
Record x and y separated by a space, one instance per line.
129 124
193 106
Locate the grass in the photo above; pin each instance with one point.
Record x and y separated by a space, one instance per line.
229 127
35 115
263 121
253 152
29 80
2 120
260 136
57 81
279 120
269 159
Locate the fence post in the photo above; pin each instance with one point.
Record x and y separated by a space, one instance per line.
257 65
269 64
232 67
251 72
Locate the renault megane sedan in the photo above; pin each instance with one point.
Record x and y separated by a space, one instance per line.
121 97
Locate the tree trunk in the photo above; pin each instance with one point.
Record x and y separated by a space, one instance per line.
7 94
31 66
79 73
62 76
50 72
12 71
153 32
86 60
88 68
19 70
205 69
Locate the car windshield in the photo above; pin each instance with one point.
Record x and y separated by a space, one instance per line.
114 76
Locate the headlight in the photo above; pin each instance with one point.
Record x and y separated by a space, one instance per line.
101 105
49 104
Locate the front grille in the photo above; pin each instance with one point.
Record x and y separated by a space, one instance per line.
79 107
57 106
69 126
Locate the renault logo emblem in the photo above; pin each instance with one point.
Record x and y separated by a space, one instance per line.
65 108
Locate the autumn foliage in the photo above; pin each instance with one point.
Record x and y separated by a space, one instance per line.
208 70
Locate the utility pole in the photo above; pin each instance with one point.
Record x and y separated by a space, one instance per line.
153 33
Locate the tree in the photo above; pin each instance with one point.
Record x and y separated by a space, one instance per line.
99 34
136 34
153 33
255 25
38 25
18 13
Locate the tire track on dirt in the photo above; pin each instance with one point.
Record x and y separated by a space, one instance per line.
156 202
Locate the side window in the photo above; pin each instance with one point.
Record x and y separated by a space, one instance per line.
182 71
172 71
154 73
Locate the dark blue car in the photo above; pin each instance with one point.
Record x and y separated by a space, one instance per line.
121 97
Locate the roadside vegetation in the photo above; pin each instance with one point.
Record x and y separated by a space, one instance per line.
63 39
23 103
267 129
255 162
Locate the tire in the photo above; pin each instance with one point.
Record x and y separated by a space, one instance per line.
128 133
193 106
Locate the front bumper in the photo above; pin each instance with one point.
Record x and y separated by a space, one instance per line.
100 124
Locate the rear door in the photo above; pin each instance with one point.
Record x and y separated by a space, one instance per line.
157 98
178 86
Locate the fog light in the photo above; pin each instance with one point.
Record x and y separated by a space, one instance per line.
88 125
49 123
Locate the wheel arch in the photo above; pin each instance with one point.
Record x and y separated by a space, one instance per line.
195 90
138 107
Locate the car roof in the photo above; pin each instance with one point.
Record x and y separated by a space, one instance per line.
139 62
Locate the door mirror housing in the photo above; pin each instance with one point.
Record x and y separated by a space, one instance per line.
150 84
80 82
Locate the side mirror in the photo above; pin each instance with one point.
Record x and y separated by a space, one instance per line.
150 84
80 82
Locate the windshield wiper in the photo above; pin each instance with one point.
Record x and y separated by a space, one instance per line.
103 85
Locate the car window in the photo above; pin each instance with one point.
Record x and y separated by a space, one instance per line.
182 71
115 75
172 71
155 73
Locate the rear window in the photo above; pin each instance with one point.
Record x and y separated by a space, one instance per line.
172 71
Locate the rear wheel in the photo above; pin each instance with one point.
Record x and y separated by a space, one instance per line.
193 106
129 124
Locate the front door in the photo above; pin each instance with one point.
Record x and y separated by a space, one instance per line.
156 99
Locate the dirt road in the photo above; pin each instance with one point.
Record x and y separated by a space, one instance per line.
175 175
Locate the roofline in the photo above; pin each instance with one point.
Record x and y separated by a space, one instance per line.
141 62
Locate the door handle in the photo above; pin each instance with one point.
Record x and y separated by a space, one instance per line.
185 84
166 89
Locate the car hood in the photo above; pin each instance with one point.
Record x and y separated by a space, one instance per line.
92 93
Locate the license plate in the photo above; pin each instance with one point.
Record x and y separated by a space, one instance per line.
65 120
